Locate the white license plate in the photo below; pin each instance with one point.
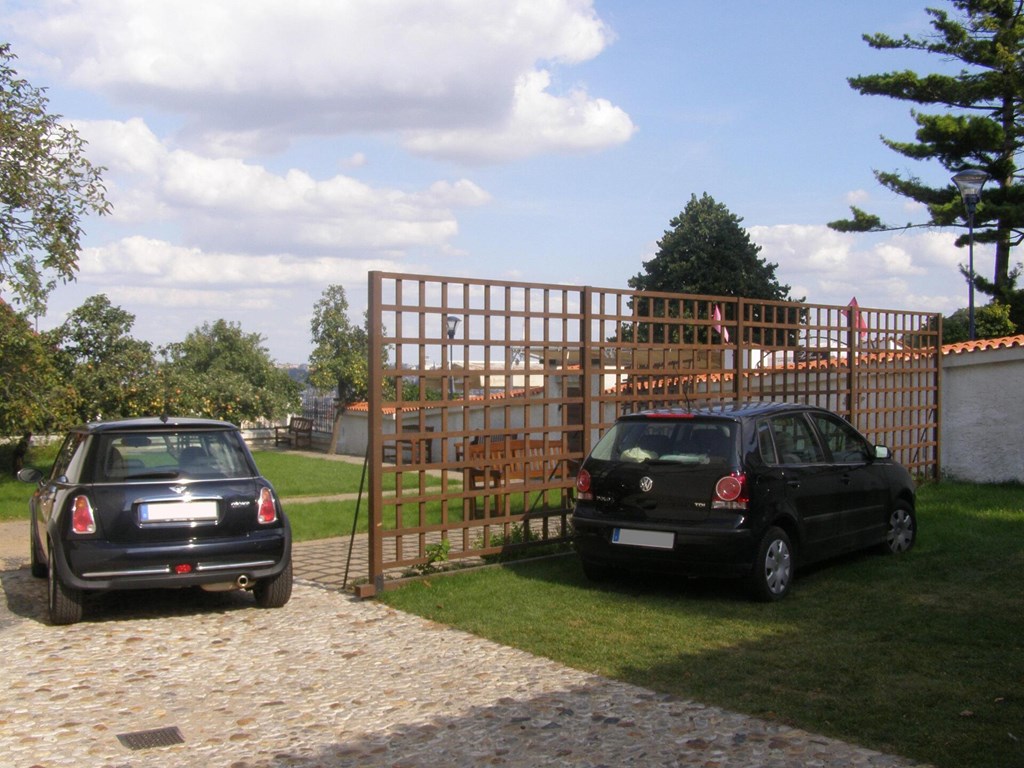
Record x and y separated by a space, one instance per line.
652 539
178 512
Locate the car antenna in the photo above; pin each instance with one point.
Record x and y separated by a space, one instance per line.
687 386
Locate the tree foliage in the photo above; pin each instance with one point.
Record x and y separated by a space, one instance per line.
341 354
221 372
47 187
706 252
33 395
113 374
991 321
979 125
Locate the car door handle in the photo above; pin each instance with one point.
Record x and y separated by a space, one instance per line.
793 483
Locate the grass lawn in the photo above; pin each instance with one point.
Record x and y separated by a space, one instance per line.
921 656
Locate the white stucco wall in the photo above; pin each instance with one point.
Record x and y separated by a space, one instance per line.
983 415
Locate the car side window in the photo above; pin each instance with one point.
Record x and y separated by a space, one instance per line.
68 452
795 441
765 443
844 442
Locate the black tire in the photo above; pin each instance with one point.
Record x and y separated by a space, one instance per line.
36 562
63 602
595 572
900 530
276 591
772 575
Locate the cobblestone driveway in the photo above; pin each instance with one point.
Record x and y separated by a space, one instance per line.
331 681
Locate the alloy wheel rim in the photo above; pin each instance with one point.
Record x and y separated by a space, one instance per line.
900 531
777 567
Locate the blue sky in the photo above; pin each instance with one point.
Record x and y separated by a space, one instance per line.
259 151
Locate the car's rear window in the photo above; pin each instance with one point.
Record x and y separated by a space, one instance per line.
185 454
685 441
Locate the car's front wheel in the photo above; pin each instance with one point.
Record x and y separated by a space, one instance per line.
901 530
276 591
772 575
64 602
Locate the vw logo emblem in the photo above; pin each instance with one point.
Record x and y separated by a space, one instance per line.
646 484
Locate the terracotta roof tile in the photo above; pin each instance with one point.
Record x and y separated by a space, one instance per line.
1004 342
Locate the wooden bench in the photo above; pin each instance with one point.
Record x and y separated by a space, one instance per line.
415 448
495 464
297 434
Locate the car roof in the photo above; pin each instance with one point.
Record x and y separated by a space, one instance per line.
732 411
164 423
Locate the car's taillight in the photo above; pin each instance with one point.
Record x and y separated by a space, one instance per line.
583 485
731 492
82 518
267 512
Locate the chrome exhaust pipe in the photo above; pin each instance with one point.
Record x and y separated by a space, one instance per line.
243 581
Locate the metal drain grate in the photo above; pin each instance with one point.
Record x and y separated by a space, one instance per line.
158 737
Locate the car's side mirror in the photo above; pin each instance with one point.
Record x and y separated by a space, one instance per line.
30 475
881 452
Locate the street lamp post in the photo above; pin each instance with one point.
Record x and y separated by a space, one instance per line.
970 182
452 324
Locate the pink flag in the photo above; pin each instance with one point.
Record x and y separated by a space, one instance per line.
858 318
717 317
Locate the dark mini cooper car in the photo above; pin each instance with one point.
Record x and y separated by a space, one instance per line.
749 491
149 503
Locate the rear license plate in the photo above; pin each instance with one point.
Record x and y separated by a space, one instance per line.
178 512
652 539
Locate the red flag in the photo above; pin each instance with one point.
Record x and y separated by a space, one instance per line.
717 317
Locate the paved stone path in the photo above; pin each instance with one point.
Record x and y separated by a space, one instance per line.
332 681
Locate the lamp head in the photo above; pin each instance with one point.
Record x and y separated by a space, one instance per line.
452 323
969 182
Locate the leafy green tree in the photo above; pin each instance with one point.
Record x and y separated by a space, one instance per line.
706 252
113 374
340 360
979 124
47 187
991 322
341 353
33 396
221 372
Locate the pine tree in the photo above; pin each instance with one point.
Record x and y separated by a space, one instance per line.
980 127
708 252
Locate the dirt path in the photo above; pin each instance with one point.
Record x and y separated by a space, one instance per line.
13 544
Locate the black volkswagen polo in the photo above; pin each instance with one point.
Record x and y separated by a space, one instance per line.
749 491
147 503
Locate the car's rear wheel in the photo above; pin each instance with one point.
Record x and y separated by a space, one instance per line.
276 591
901 531
595 572
772 575
35 560
64 602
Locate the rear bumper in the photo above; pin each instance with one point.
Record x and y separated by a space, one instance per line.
102 565
697 550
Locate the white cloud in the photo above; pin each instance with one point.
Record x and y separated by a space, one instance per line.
163 267
229 203
890 270
254 76
538 122
857 197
